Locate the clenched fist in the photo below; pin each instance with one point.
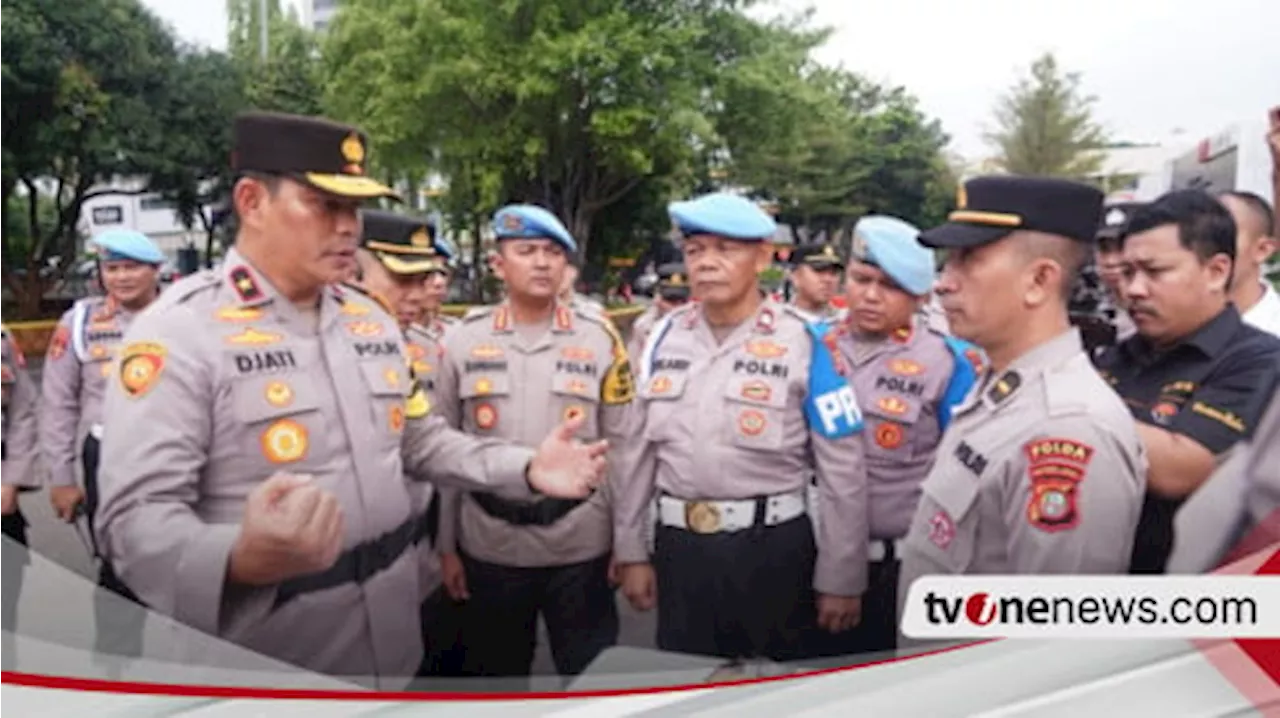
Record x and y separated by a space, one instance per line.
290 528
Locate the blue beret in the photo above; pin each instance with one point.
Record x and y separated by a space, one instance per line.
128 244
723 214
894 247
526 221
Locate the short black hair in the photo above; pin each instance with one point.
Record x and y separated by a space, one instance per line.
1205 227
1258 206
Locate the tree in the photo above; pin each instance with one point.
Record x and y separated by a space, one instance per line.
81 84
572 104
1045 125
289 78
206 91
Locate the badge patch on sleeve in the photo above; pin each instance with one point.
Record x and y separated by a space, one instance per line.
1055 467
140 366
58 344
417 405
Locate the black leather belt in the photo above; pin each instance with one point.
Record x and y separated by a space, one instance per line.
539 513
361 562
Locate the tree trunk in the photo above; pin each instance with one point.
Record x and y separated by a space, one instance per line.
28 294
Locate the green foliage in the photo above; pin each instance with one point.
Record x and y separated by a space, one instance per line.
1045 125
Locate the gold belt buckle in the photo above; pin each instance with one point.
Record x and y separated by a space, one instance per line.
702 517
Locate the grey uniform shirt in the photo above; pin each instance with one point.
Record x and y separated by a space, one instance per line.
900 380
424 344
726 421
1040 472
20 419
640 329
222 383
75 374
1241 495
495 382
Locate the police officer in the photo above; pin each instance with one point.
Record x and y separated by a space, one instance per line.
265 501
439 275
1195 376
395 258
1237 510
510 371
76 370
569 293
909 379
743 400
671 293
1041 469
815 276
17 474
1109 260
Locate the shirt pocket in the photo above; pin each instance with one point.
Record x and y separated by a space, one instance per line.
947 520
485 398
756 410
388 384
662 395
894 423
572 394
280 414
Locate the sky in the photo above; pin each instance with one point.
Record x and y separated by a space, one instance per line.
1165 71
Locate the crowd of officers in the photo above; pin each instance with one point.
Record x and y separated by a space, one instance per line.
297 452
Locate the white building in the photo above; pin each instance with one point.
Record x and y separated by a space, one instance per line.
148 213
317 14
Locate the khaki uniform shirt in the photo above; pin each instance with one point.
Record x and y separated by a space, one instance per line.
900 380
1040 472
74 381
495 383
20 419
234 383
726 421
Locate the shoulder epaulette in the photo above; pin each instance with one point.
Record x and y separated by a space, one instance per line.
191 285
475 313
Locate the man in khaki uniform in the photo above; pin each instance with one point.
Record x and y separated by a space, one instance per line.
743 401
264 501
670 294
396 256
75 375
815 275
510 371
909 379
1041 469
17 474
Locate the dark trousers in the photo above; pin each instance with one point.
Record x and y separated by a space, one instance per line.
878 629
15 560
744 594
499 630
443 652
118 627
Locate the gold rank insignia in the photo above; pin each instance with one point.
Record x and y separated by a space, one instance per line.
245 286
1004 387
677 280
140 366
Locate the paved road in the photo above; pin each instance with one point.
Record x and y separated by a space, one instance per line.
59 542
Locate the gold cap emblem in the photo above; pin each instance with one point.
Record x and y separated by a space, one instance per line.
677 280
962 197
420 238
353 149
